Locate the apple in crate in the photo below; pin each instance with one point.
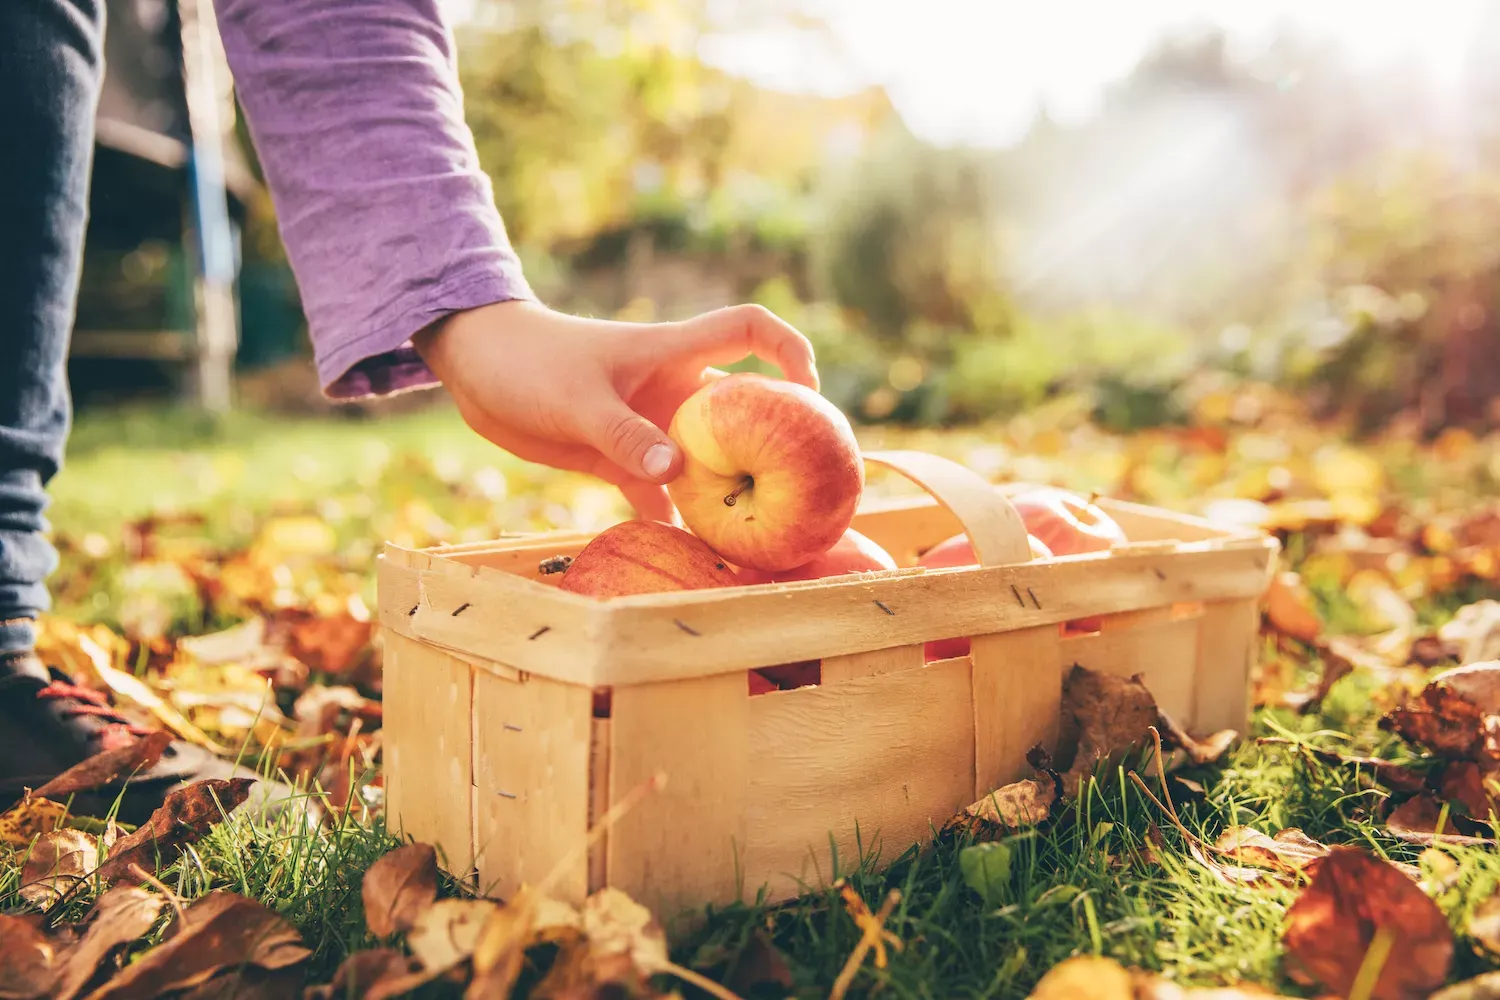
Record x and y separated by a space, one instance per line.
1067 523
771 472
853 553
959 551
645 557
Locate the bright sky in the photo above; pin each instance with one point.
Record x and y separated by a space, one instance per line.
974 70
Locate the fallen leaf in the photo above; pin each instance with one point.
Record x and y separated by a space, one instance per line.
1464 784
185 816
1102 716
120 916
1482 987
218 931
1473 633
333 644
30 818
102 768
1020 804
1200 751
616 926
1085 977
501 948
447 932
1289 608
1289 850
759 964
398 888
250 983
1447 719
1416 821
1477 683
1353 899
366 975
58 861
1484 924
29 962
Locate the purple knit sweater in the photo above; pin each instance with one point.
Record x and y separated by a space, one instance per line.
355 109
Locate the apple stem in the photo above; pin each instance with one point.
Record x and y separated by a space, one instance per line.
745 484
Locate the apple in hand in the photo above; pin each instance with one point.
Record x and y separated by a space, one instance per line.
853 553
1067 523
959 551
645 557
771 472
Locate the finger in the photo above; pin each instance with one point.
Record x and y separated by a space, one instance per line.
650 501
627 439
725 336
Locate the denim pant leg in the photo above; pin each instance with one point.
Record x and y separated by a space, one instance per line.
51 63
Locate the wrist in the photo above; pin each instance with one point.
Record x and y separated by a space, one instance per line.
437 342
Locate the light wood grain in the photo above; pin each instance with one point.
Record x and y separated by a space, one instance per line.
1228 648
1164 653
427 755
991 522
889 756
1017 694
531 773
680 847
872 664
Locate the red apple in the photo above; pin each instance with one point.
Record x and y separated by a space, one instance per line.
959 551
771 472
794 675
854 553
645 557
1067 523
760 683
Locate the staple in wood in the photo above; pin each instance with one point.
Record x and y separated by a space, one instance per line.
461 609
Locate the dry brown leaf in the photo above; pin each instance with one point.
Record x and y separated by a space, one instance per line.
1473 633
30 818
1416 821
334 644
29 962
1018 805
58 861
185 816
1481 987
1290 850
1085 977
1199 751
1454 716
501 949
247 984
447 932
217 932
102 768
1289 608
1477 683
366 975
121 915
1484 924
617 926
1353 898
398 888
1463 783
1102 716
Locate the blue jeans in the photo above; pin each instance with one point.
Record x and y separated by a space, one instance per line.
51 65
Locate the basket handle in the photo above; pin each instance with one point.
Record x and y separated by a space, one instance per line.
994 527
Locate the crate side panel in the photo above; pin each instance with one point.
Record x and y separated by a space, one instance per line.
1228 647
1164 653
680 847
427 753
531 771
1017 697
872 664
886 757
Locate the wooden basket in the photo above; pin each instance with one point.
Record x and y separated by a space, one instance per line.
492 751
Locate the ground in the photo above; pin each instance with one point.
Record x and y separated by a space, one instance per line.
171 527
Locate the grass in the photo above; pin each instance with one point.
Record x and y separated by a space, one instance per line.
1111 876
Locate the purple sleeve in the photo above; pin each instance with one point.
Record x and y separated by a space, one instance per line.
387 219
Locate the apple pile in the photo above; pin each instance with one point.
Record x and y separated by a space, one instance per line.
771 478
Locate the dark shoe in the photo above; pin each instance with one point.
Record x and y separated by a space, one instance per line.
48 724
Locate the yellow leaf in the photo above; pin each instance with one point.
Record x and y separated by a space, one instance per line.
30 818
1086 977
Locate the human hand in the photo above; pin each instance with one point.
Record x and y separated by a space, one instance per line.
595 396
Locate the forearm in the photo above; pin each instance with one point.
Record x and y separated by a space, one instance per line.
388 221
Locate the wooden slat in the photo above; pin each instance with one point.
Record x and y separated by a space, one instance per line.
1017 695
891 755
598 801
428 758
1148 524
872 664
1165 654
680 847
665 636
531 774
1228 647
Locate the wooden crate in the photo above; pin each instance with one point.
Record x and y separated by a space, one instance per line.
492 751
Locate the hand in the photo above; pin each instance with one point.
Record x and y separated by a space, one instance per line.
595 396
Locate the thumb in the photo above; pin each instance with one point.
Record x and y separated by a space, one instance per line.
631 441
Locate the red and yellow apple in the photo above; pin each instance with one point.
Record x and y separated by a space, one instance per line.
771 471
853 553
1067 523
645 557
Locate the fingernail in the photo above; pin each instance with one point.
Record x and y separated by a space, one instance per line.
657 461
